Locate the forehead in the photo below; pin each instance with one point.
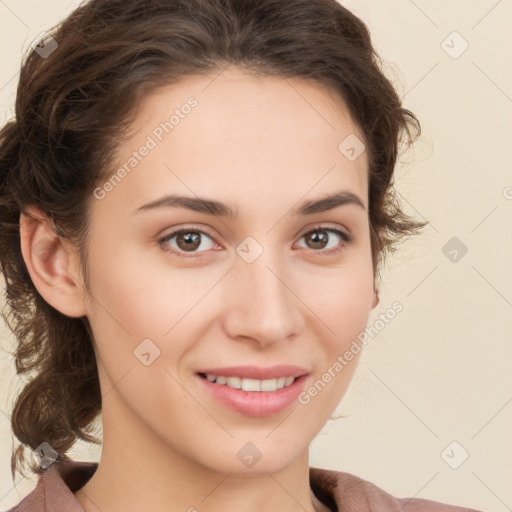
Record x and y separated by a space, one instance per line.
229 98
238 134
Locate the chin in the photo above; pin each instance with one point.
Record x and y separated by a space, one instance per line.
257 457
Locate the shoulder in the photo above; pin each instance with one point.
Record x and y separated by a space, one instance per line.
350 493
34 501
55 487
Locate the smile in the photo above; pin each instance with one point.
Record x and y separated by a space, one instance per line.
250 384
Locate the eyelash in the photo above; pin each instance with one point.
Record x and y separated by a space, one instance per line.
344 236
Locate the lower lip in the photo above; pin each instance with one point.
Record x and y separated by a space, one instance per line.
256 403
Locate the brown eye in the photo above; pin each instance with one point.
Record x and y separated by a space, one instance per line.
319 238
186 241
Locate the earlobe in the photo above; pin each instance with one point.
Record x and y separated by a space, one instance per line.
376 298
51 263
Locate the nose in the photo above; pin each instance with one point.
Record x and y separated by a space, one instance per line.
263 305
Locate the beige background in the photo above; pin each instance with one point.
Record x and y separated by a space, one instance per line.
440 371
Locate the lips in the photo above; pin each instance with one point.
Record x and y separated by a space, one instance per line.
254 391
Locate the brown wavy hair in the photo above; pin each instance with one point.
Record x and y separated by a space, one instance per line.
74 107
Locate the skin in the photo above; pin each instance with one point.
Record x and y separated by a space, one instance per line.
261 145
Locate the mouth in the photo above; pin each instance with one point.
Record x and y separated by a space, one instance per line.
249 384
254 391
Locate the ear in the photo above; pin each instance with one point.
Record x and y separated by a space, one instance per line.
52 263
376 298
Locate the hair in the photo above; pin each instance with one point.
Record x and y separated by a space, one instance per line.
72 110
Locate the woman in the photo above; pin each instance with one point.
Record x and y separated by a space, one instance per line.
196 197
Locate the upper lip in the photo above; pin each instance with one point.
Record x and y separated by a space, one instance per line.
256 372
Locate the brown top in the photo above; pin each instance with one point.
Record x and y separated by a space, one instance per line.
341 492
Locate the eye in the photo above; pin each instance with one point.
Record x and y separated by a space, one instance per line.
319 238
191 241
187 241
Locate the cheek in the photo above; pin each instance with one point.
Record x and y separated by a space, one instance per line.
342 298
343 307
347 321
129 291
135 300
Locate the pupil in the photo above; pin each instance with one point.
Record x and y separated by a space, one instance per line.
318 237
191 240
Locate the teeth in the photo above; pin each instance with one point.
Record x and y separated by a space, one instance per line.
234 382
251 384
288 381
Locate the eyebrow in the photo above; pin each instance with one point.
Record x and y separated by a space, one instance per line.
212 207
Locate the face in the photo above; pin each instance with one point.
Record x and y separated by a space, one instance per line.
256 285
